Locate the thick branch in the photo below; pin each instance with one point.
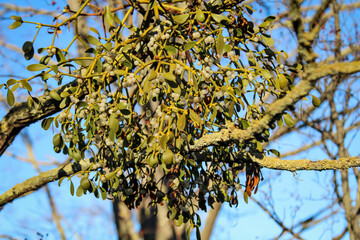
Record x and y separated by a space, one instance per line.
43 178
306 164
21 116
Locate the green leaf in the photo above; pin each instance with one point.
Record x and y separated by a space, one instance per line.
152 75
30 102
29 55
220 44
63 103
147 86
114 123
36 67
163 142
170 49
72 190
189 45
26 85
122 105
181 122
246 197
178 222
64 94
249 9
14 87
227 48
109 19
200 16
119 72
108 46
181 18
59 55
127 64
28 47
92 40
10 82
45 60
266 74
289 121
169 76
55 95
195 117
16 18
79 191
219 18
267 21
315 101
54 68
283 82
15 25
10 97
103 193
94 30
60 180
275 152
268 40
57 139
46 123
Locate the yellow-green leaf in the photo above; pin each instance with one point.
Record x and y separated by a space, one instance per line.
109 19
72 190
170 49
200 16
94 30
246 197
79 191
147 86
220 44
268 40
26 85
92 40
11 82
36 67
168 157
15 25
283 82
181 122
16 18
114 123
46 123
219 18
275 152
315 101
194 116
289 121
181 18
57 139
189 45
10 97
169 76
55 95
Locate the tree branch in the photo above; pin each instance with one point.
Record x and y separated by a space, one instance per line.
40 180
307 164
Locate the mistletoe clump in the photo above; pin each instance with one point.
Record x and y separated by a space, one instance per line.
146 92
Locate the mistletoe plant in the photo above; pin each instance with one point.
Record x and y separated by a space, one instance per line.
147 92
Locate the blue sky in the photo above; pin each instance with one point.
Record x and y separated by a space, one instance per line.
295 196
